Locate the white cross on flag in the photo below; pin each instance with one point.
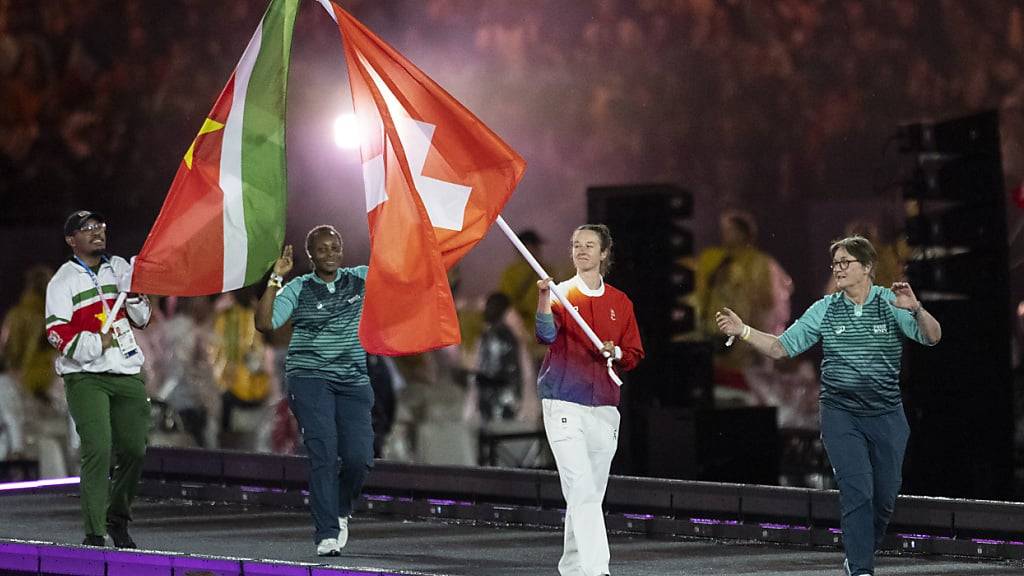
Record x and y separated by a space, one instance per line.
435 179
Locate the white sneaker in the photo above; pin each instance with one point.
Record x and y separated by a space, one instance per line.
342 532
328 547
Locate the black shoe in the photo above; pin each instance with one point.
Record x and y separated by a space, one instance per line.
94 540
118 532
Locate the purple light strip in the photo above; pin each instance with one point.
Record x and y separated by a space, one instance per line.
712 521
773 526
923 537
639 516
441 502
39 483
262 489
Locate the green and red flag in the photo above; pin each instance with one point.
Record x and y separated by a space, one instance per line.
222 224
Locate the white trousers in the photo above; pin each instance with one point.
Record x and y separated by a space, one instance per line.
583 440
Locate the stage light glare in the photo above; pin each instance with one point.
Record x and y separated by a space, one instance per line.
346 132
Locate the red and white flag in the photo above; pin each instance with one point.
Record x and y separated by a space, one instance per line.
435 179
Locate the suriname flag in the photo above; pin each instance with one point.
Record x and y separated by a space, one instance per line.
222 224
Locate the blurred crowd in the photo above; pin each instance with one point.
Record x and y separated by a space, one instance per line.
214 381
737 99
794 96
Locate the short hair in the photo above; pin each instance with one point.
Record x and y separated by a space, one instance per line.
605 235
495 307
742 220
859 247
530 236
318 230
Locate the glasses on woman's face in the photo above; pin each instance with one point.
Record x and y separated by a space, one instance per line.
841 265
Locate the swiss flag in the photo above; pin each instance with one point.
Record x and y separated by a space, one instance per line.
435 179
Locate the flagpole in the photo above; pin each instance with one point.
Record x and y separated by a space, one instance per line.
113 313
558 294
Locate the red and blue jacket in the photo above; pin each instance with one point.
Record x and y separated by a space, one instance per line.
573 369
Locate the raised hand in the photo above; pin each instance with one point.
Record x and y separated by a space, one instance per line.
905 297
284 264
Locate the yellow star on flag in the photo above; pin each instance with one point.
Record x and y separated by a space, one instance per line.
210 125
102 317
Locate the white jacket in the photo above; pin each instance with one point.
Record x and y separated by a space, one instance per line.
75 313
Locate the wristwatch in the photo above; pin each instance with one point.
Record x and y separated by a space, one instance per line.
276 281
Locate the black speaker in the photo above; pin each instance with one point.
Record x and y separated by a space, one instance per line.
739 445
958 395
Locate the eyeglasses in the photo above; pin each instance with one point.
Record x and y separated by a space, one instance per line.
93 226
841 265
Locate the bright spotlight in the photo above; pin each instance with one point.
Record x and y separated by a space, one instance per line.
346 131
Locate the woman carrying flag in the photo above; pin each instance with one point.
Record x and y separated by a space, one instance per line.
578 396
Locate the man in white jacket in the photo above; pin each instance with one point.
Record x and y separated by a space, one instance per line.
102 375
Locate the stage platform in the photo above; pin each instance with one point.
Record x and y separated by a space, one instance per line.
200 527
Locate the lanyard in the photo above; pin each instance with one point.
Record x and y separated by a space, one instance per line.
96 282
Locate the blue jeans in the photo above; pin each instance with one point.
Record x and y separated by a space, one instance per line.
866 453
334 419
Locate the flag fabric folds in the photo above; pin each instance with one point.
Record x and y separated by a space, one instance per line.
435 179
222 224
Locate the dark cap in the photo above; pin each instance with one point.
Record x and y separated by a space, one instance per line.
77 219
530 236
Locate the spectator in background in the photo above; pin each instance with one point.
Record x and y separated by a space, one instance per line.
46 429
497 377
23 339
753 284
386 380
12 423
519 284
187 384
241 362
434 418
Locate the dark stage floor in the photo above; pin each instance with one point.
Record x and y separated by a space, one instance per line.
434 547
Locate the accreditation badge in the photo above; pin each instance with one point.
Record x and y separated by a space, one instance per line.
125 339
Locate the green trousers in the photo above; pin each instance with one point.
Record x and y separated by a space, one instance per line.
111 413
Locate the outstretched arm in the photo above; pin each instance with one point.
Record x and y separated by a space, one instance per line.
732 325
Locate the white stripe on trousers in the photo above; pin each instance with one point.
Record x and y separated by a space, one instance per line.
583 440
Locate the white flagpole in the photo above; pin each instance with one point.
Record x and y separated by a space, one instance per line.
558 294
113 313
